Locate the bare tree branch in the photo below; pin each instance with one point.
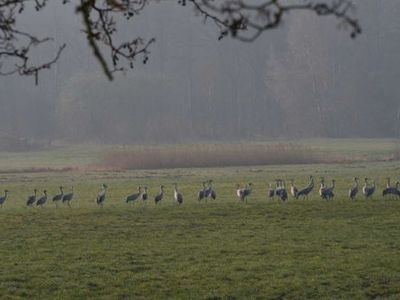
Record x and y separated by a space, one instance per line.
244 20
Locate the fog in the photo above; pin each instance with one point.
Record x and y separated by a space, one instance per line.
306 79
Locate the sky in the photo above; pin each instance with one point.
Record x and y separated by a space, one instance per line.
306 79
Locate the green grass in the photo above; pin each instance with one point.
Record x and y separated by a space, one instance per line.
220 250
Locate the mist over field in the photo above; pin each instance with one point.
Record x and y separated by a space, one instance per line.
305 79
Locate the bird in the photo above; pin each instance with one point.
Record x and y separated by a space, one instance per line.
42 200
132 198
271 192
368 191
282 192
354 189
326 192
178 195
200 195
208 190
101 196
211 192
247 191
145 194
278 187
67 198
31 199
391 190
240 192
59 196
160 195
3 198
308 189
293 189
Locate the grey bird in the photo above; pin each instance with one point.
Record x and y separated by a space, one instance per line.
32 198
240 192
145 194
67 198
42 200
134 197
391 190
101 196
367 190
178 195
3 198
354 189
327 192
308 189
160 195
280 190
57 198
201 193
212 193
247 191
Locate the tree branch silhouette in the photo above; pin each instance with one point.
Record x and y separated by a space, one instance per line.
244 20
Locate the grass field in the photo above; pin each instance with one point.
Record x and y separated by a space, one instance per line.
220 250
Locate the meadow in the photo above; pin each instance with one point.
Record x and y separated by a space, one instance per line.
223 249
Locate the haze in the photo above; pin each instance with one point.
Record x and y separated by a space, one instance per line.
306 79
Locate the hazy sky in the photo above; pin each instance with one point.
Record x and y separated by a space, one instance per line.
305 79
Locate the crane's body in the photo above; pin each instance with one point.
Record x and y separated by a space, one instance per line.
101 196
31 199
3 198
135 196
42 200
159 196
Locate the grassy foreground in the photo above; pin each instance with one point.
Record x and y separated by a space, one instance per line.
220 250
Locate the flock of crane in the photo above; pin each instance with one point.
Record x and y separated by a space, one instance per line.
208 192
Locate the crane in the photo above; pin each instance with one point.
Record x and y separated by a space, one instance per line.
160 195
101 196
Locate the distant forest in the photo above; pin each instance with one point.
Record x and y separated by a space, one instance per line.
304 79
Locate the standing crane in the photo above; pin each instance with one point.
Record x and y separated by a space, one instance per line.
135 196
354 189
178 195
368 191
67 198
281 191
308 189
391 190
160 195
247 191
3 198
101 196
57 198
239 192
327 192
208 191
145 194
31 199
201 193
211 193
42 200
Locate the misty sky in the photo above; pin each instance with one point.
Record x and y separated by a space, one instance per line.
306 79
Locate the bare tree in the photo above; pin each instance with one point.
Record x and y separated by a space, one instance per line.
244 20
